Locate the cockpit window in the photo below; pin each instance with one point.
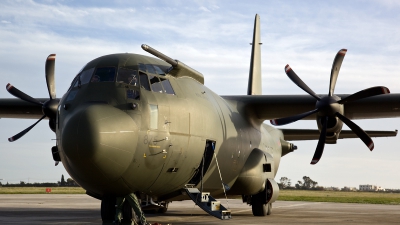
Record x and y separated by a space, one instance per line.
142 67
83 77
144 81
158 70
167 86
74 82
128 76
104 74
150 68
156 84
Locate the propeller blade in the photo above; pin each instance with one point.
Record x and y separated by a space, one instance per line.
291 119
321 142
357 130
337 63
50 64
21 95
293 76
22 133
379 90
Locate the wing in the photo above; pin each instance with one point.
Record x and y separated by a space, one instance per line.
16 108
268 107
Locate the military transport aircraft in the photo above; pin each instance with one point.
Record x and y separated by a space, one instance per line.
130 123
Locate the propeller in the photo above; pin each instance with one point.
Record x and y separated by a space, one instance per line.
49 107
330 107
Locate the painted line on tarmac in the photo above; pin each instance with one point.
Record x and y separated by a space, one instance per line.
295 205
284 206
349 213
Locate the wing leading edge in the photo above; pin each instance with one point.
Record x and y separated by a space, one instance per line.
269 107
19 109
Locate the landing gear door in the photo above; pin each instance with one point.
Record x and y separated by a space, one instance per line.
272 190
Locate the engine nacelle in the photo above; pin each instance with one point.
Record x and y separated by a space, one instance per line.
333 129
328 107
287 147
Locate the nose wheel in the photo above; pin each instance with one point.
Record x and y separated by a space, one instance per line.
164 208
108 208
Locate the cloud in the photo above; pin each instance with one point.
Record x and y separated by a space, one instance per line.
388 3
304 34
204 9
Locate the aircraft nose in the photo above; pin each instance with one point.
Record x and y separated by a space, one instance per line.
99 141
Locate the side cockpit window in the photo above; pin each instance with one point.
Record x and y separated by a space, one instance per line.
167 86
144 81
104 74
156 84
151 79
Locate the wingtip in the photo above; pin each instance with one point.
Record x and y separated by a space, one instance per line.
11 139
273 122
314 161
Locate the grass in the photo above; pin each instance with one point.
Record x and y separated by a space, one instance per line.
340 197
284 195
41 190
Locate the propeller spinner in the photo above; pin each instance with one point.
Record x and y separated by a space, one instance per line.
49 107
330 107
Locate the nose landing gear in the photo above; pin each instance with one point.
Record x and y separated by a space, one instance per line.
108 210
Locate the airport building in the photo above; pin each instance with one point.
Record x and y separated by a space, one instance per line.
369 187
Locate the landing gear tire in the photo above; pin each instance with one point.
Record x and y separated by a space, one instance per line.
258 206
127 213
164 208
108 208
269 211
259 209
150 211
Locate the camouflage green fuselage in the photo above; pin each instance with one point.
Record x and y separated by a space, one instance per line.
116 137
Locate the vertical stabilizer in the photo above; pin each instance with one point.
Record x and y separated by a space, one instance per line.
254 87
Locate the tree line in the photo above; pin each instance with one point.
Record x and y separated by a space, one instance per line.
62 183
306 184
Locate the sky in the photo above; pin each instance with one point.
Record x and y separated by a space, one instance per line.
213 37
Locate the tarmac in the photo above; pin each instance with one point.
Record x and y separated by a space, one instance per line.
82 209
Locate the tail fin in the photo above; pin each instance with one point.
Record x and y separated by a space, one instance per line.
254 87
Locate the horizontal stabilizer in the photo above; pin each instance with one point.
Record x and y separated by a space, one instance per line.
302 134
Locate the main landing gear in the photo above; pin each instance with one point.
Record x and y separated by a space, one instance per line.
258 206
